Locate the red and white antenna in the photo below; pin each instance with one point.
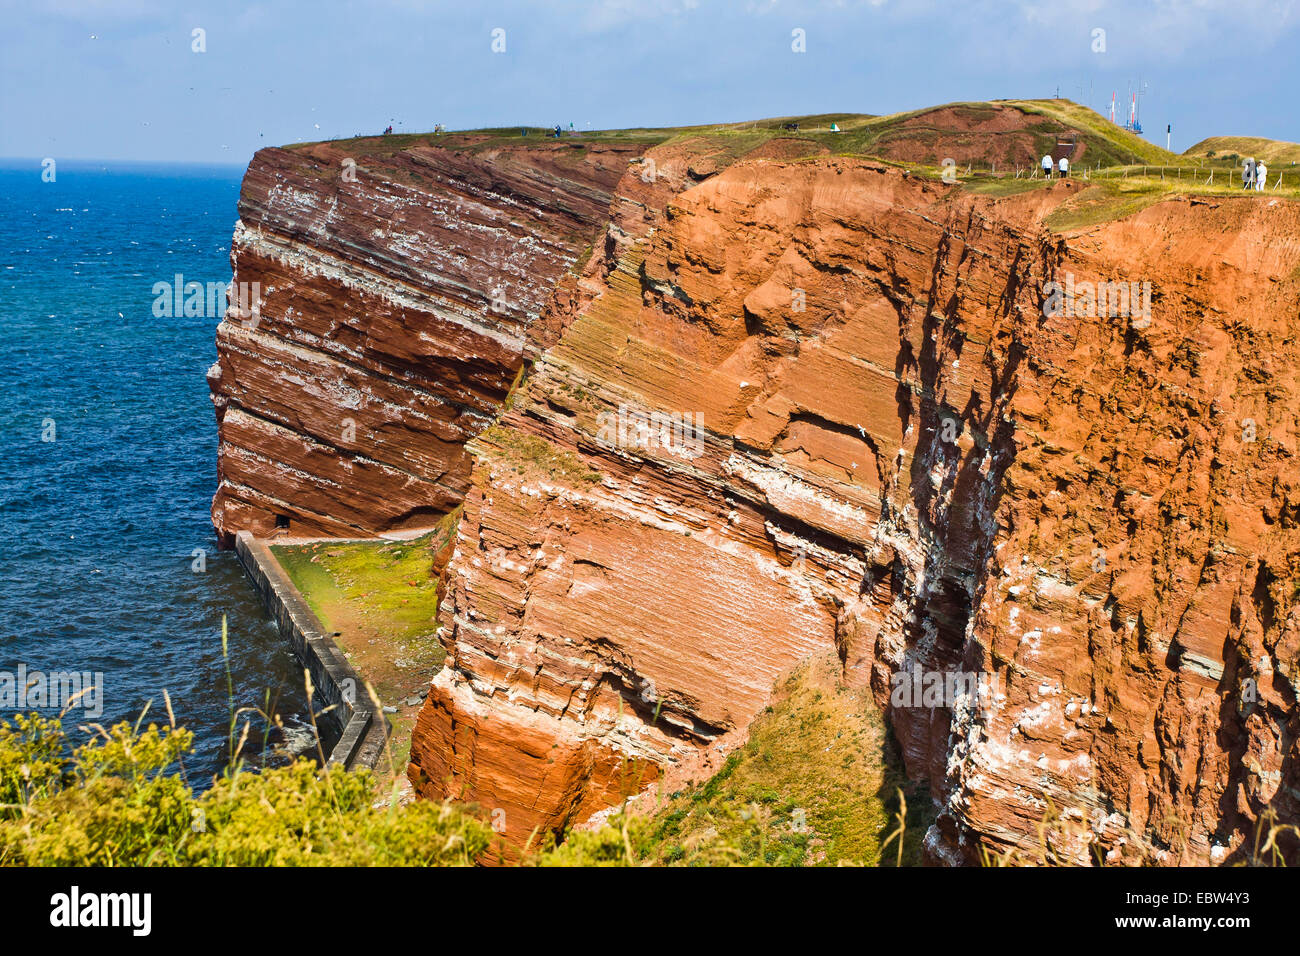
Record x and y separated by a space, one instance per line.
1133 112
1113 96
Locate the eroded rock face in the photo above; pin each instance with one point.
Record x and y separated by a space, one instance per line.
780 407
397 291
904 458
797 312
1142 583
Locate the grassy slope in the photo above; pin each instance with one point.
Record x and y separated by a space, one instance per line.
1107 142
1104 202
816 784
1274 152
1123 191
1113 197
492 137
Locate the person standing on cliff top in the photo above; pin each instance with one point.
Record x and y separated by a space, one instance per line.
1065 167
1261 175
1248 174
1047 165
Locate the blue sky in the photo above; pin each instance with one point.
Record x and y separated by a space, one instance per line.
82 79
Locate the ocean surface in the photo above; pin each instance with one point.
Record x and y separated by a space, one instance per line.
108 561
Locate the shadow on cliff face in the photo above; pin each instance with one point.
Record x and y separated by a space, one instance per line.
911 809
1249 704
959 460
675 713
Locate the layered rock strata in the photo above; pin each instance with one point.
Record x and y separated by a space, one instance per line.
395 292
771 404
909 454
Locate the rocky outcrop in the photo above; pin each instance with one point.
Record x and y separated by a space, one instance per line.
646 596
908 454
1141 592
770 402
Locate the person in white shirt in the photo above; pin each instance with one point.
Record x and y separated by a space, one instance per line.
1065 167
1261 175
1047 165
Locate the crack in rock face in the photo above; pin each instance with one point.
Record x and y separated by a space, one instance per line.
785 408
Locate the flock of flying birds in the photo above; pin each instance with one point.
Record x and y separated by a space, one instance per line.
224 89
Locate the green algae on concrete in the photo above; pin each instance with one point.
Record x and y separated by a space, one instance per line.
380 600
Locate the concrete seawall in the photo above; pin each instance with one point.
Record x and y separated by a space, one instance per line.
362 727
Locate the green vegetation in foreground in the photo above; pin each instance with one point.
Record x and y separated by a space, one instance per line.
122 799
818 783
119 800
380 599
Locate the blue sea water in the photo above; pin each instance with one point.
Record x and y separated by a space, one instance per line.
99 527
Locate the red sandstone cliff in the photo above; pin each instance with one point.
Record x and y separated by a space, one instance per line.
902 458
397 291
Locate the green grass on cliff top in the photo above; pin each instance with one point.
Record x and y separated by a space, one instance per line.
860 134
1122 191
489 137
